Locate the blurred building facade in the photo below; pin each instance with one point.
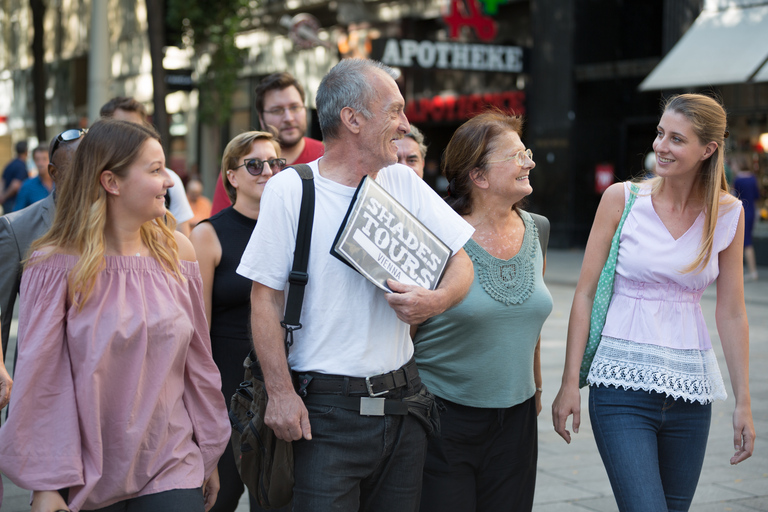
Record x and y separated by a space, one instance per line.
574 68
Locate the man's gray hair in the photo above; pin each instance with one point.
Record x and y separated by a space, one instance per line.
416 135
347 84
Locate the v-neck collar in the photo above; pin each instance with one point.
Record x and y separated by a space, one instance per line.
690 228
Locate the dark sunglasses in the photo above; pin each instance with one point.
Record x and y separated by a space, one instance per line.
255 166
66 136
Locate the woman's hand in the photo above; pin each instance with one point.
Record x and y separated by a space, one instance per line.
567 402
538 402
48 501
743 434
211 489
6 383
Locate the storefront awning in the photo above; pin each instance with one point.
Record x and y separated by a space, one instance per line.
722 47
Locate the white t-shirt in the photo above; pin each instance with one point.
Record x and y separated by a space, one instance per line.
179 203
348 326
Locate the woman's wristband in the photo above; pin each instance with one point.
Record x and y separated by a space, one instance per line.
539 390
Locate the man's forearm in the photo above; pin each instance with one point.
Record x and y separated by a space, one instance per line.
268 338
459 274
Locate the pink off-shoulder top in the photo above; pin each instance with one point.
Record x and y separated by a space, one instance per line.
119 399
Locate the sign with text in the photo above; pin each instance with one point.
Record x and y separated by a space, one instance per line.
408 53
459 108
382 240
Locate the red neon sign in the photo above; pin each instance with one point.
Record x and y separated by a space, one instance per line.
459 108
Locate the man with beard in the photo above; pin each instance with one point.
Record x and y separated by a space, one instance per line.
280 106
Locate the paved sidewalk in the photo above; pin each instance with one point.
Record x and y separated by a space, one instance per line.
571 477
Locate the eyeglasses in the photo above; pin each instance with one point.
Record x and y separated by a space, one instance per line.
280 111
66 136
255 166
519 157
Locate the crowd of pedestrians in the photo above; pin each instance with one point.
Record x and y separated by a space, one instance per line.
139 303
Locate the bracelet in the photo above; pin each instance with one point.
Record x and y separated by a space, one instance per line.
539 390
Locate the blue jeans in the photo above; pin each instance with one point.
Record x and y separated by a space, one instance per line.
652 446
354 462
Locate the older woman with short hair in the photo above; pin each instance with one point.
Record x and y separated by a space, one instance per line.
481 358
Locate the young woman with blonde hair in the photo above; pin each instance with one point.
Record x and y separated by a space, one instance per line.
655 374
117 404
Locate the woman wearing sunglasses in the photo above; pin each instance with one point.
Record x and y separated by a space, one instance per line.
116 405
481 357
249 160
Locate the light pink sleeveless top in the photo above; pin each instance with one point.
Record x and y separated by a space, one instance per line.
653 301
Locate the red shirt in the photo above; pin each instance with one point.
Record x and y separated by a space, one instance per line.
313 149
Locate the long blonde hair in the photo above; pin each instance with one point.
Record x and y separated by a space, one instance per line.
81 206
708 120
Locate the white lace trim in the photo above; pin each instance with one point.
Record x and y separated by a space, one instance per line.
689 374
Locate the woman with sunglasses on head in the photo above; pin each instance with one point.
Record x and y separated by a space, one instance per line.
655 375
116 405
481 357
249 160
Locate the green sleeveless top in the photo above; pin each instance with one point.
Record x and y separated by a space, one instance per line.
480 352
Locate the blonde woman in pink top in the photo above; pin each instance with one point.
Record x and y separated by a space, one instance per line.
655 374
117 403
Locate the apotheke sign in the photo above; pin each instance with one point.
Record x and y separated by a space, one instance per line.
445 55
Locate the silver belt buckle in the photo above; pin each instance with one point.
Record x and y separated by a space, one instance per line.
370 389
372 406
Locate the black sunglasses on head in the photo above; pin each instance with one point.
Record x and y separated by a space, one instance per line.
255 166
66 136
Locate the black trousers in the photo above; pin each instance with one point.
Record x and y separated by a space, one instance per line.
175 500
484 460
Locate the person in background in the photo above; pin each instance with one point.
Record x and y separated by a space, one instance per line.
481 358
655 375
39 187
747 189
14 174
249 160
355 341
412 151
280 105
19 229
201 205
117 402
128 109
649 165
6 384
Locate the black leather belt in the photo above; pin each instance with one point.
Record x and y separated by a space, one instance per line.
378 385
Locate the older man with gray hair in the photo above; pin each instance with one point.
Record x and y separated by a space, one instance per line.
354 349
412 151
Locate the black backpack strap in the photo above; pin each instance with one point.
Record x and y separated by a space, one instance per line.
298 277
542 226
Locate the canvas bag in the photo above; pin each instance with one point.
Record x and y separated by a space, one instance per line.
603 294
265 463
